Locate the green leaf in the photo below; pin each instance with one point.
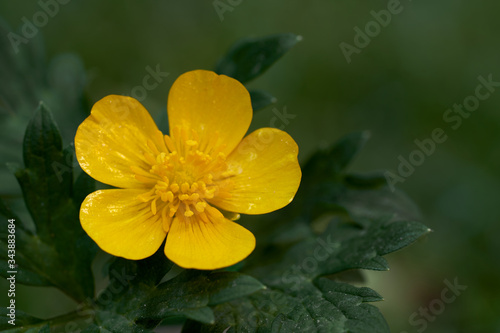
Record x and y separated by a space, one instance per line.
326 187
342 246
46 175
59 253
261 99
327 164
135 298
227 286
378 202
300 299
327 306
250 57
191 294
345 222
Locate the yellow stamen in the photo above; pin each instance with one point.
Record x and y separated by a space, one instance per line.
188 212
174 187
185 172
150 158
169 143
153 147
185 187
153 206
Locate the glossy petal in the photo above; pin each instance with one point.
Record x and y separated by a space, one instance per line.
266 173
115 137
212 105
217 243
121 224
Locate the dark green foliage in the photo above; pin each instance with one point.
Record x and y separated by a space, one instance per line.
338 222
58 253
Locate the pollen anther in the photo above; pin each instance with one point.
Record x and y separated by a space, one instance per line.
184 173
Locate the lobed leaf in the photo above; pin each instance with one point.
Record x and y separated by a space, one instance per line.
135 299
58 253
327 306
343 222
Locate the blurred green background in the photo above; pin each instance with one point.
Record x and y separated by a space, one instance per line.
398 87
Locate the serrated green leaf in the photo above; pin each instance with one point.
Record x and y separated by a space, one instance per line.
194 292
327 306
136 295
261 99
322 176
340 308
376 203
340 247
60 253
250 57
342 222
298 299
227 286
327 189
44 186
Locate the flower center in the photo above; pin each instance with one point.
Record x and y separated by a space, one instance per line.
183 176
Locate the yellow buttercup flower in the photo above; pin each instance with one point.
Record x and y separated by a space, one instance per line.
176 185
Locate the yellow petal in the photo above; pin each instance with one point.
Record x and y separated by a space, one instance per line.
115 137
264 174
211 244
211 104
121 224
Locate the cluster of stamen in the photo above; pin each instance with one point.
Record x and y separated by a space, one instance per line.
183 175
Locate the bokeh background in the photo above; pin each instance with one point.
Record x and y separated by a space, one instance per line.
398 87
